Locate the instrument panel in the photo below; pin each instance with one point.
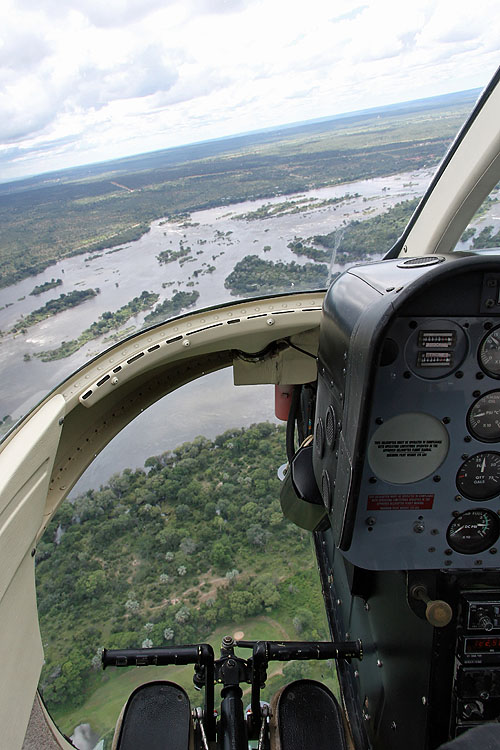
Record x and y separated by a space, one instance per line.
422 448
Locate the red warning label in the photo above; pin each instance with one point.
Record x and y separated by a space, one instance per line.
400 502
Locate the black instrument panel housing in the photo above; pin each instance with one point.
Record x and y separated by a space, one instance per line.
399 345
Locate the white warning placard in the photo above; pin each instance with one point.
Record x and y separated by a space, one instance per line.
408 448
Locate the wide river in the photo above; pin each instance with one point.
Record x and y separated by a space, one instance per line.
213 404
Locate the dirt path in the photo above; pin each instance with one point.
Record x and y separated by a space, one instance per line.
214 583
284 634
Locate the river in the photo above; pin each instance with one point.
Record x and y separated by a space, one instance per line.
211 405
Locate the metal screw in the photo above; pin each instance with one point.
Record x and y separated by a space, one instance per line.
270 321
489 303
418 527
394 726
367 606
114 381
186 343
380 663
424 700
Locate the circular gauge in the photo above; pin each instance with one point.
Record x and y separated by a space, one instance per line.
473 531
483 419
489 353
479 477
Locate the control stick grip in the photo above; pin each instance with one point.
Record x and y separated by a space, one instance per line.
438 613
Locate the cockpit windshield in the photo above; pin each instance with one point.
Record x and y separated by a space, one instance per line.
162 159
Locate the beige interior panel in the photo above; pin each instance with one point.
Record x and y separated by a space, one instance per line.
21 654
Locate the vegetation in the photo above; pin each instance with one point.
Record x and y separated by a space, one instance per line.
300 205
213 553
253 274
299 246
469 232
55 306
168 256
371 236
171 307
486 239
45 287
44 219
106 323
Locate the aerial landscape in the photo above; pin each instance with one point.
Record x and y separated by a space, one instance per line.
95 254
163 161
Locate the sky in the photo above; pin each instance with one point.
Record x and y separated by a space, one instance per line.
90 80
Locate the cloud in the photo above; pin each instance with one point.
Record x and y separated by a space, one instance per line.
350 14
111 76
117 13
21 50
144 73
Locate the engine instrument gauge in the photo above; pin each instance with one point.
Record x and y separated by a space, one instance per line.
479 477
483 419
489 353
473 531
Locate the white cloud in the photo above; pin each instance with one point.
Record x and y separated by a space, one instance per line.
114 76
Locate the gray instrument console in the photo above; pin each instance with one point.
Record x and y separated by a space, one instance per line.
407 431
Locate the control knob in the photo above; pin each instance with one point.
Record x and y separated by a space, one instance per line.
473 710
485 622
437 612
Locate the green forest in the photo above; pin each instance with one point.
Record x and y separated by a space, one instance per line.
194 544
105 323
253 275
55 306
370 236
169 308
40 288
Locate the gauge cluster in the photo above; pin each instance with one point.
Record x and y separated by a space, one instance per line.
411 471
433 450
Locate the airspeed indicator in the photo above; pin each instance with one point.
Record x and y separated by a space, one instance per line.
479 477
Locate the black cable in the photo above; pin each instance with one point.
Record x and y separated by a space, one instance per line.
290 425
301 350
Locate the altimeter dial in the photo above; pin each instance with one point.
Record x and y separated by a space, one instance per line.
479 477
483 419
473 531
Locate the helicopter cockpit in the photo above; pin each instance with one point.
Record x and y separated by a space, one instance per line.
396 400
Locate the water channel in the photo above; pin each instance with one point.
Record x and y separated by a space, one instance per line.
211 405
